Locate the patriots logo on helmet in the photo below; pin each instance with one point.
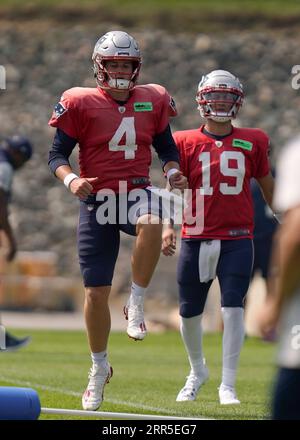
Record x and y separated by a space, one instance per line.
59 110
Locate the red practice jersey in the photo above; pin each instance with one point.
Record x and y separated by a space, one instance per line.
114 139
221 171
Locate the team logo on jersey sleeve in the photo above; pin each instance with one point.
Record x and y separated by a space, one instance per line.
143 106
59 110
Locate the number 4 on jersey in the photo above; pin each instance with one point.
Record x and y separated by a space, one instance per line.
127 129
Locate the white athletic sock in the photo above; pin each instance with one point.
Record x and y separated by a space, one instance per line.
233 338
99 359
191 332
137 292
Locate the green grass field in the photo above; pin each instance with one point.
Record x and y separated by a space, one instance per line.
147 375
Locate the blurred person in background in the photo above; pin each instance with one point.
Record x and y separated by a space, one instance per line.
114 124
218 160
15 151
265 225
282 306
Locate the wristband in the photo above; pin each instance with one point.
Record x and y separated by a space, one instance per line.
171 172
68 179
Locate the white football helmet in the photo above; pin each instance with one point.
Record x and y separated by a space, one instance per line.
220 96
116 46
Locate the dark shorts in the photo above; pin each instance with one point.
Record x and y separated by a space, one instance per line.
233 271
98 242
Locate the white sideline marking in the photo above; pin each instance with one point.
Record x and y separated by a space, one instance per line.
111 415
77 394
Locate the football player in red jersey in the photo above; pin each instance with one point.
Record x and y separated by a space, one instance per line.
115 125
218 160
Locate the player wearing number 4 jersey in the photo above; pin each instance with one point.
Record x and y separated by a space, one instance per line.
219 160
114 125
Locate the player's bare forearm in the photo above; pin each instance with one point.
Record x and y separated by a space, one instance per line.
169 223
62 171
169 234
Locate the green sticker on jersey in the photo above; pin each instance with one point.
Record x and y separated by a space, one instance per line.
143 106
242 144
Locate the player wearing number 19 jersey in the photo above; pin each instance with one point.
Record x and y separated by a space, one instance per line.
221 168
114 125
218 160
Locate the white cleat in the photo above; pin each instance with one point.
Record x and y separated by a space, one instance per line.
93 395
192 386
134 313
228 396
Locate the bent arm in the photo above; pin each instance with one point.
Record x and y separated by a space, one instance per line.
59 154
59 164
166 149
